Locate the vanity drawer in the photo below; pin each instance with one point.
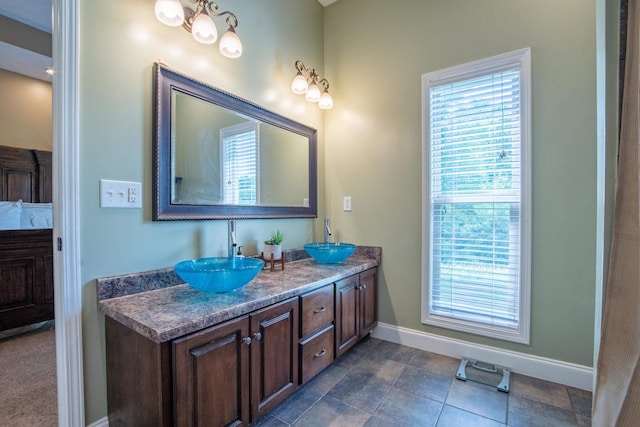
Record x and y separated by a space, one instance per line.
316 310
316 353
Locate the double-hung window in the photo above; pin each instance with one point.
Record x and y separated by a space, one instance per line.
240 157
476 197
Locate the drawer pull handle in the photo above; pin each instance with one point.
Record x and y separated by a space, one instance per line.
320 353
320 310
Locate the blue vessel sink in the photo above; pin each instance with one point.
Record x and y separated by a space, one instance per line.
329 253
221 274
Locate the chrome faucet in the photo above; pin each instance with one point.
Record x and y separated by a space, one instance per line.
327 230
231 239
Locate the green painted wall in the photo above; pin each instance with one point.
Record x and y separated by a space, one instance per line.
278 171
196 134
375 54
120 40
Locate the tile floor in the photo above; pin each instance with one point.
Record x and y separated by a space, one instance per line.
379 383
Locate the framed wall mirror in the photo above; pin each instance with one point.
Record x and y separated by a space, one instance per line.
218 156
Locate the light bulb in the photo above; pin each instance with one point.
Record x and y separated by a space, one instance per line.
170 12
203 29
326 101
299 84
313 94
230 45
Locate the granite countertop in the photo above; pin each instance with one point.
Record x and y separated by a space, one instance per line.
171 309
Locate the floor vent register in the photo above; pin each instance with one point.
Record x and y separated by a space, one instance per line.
485 373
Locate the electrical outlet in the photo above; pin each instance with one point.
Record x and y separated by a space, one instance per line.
305 202
346 204
120 194
132 194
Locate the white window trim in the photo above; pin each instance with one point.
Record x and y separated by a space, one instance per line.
522 59
234 130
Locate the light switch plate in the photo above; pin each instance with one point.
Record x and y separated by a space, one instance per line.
120 194
346 204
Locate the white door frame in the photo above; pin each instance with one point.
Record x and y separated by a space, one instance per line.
66 224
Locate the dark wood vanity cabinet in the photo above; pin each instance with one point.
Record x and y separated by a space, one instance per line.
211 376
139 378
356 300
368 301
230 374
225 375
274 355
316 331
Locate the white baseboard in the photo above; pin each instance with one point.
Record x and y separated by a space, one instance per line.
534 366
102 422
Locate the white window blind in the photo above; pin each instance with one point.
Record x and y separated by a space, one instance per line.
240 163
475 201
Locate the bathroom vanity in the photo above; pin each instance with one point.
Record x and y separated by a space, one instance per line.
179 356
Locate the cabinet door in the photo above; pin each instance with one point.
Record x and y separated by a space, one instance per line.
368 309
274 359
26 278
211 376
347 313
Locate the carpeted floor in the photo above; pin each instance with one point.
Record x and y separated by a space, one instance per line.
28 379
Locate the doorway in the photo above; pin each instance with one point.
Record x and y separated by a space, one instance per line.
27 304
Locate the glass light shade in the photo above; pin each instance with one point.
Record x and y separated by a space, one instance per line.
326 101
299 84
203 29
170 12
230 45
313 94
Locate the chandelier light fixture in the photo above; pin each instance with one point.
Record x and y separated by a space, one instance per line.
199 23
306 82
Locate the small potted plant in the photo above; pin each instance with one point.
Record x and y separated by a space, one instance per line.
273 246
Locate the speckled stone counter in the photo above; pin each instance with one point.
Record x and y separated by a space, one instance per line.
159 306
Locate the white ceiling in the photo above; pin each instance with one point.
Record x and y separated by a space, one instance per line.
34 13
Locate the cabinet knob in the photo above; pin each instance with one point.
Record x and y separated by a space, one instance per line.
320 353
364 286
257 336
246 340
320 310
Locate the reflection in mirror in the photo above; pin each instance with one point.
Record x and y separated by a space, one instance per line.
222 157
218 156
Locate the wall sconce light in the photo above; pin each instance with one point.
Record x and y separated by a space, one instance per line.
200 23
306 82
